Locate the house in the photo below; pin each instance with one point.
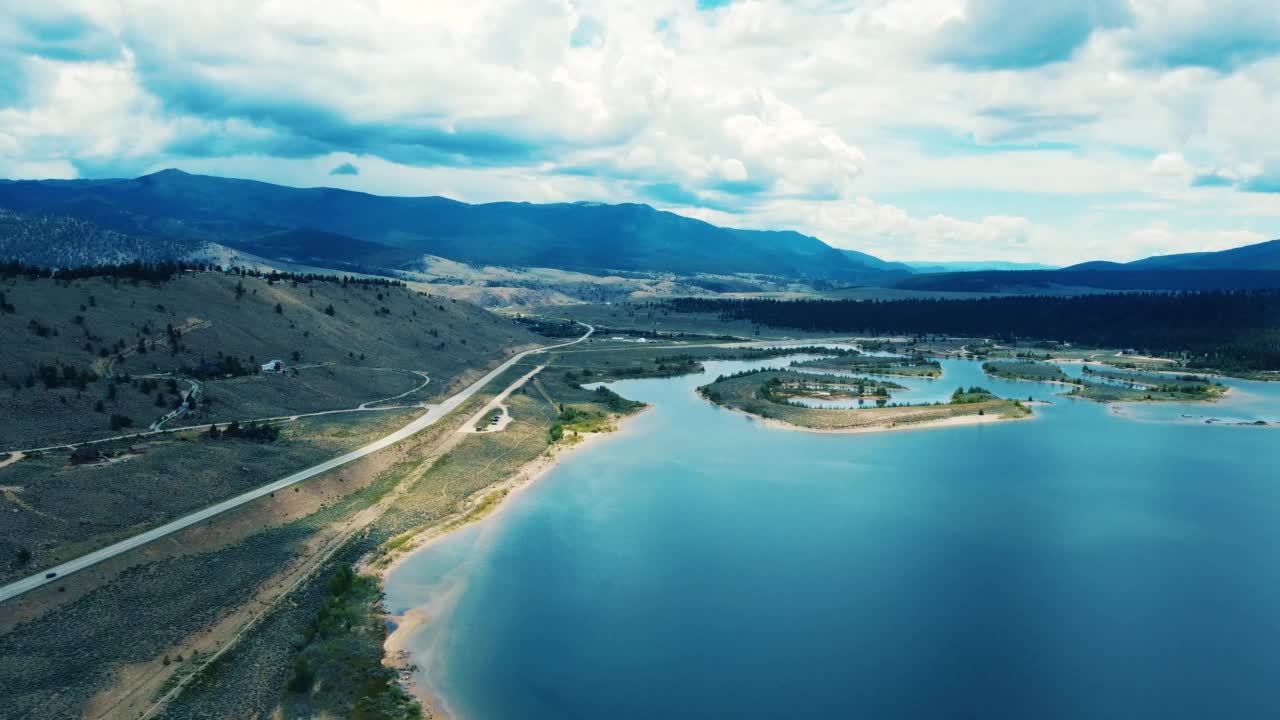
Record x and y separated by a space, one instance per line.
273 366
84 455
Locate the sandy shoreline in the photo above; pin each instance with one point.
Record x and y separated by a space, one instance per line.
957 421
397 653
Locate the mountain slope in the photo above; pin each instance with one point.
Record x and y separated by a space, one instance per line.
322 249
63 242
1244 268
341 338
175 205
876 263
974 265
1260 256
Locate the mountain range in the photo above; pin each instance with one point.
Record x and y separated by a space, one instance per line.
176 215
1250 267
352 229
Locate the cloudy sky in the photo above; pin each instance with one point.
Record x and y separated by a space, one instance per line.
1049 131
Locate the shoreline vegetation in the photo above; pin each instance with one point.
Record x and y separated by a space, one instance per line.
759 393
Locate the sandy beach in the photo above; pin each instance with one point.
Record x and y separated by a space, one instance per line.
396 655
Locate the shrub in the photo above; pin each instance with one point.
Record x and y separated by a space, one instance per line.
303 676
254 431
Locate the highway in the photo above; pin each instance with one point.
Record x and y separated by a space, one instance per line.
431 417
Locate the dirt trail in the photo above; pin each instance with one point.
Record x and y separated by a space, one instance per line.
106 366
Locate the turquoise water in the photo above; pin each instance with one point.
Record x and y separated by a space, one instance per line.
1086 564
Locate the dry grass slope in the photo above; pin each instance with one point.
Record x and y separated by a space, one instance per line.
347 341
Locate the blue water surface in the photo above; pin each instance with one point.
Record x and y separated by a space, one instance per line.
1094 562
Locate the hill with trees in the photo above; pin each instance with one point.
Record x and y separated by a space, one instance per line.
98 351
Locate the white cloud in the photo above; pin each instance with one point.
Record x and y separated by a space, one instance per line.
763 111
883 229
1171 165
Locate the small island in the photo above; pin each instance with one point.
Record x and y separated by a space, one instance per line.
1106 385
1028 370
907 366
771 395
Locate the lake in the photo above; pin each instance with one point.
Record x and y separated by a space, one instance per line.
1093 562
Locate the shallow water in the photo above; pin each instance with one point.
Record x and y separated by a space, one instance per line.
1094 562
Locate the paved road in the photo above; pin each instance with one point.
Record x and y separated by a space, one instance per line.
426 420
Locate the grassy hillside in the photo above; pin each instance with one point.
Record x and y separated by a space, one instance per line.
73 354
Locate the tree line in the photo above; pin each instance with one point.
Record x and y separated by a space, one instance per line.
1230 330
164 271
